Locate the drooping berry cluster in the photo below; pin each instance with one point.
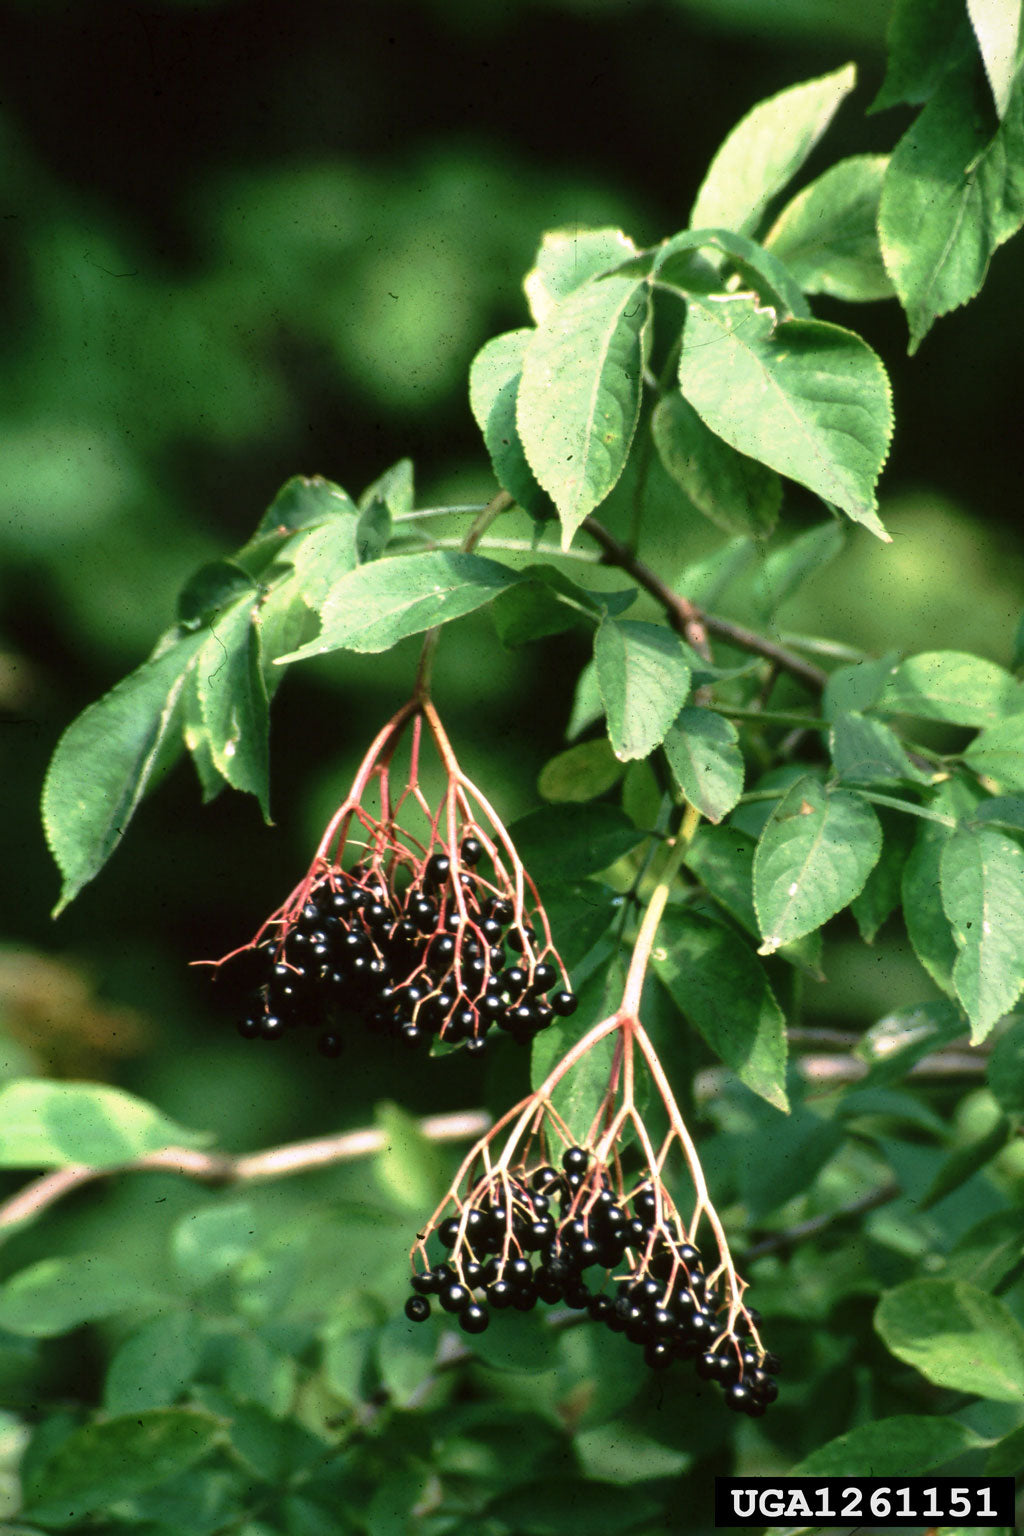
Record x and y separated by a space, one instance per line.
436 932
557 1236
421 963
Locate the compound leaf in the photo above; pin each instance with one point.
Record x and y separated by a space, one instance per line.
579 397
813 858
375 606
810 399
644 679
765 150
982 874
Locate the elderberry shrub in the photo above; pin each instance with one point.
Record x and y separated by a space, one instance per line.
428 960
556 1235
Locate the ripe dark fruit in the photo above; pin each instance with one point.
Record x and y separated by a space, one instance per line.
564 1003
574 1160
454 1296
472 851
417 1309
474 1319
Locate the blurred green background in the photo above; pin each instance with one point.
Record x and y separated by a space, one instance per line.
247 240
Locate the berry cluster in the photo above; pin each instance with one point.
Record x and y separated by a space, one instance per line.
540 1236
432 951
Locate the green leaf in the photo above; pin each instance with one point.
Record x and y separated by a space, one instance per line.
881 894
765 150
318 558
115 1459
567 259
951 686
544 601
411 1168
579 397
886 1447
963 1162
857 687
644 680
997 26
989 1251
580 913
394 488
587 707
233 700
722 858
761 271
1002 810
493 391
302 502
1006 1459
572 1506
568 842
581 773
706 762
813 858
212 588
810 399
785 569
928 927
982 874
379 604
104 761
956 1335
926 38
952 195
900 1040
154 1365
44 1124
578 1097
213 1240
735 492
998 753
721 988
56 1295
866 751
828 237
1006 1070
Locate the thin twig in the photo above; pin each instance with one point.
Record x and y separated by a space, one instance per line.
683 614
220 1168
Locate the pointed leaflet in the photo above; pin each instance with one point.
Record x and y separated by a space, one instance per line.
927 925
997 26
493 391
706 762
567 259
809 399
379 604
982 874
828 235
956 1335
951 686
720 986
765 150
644 679
104 761
884 1447
50 1125
866 751
735 492
925 39
998 752
814 856
954 192
579 397
233 700
544 601
881 894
